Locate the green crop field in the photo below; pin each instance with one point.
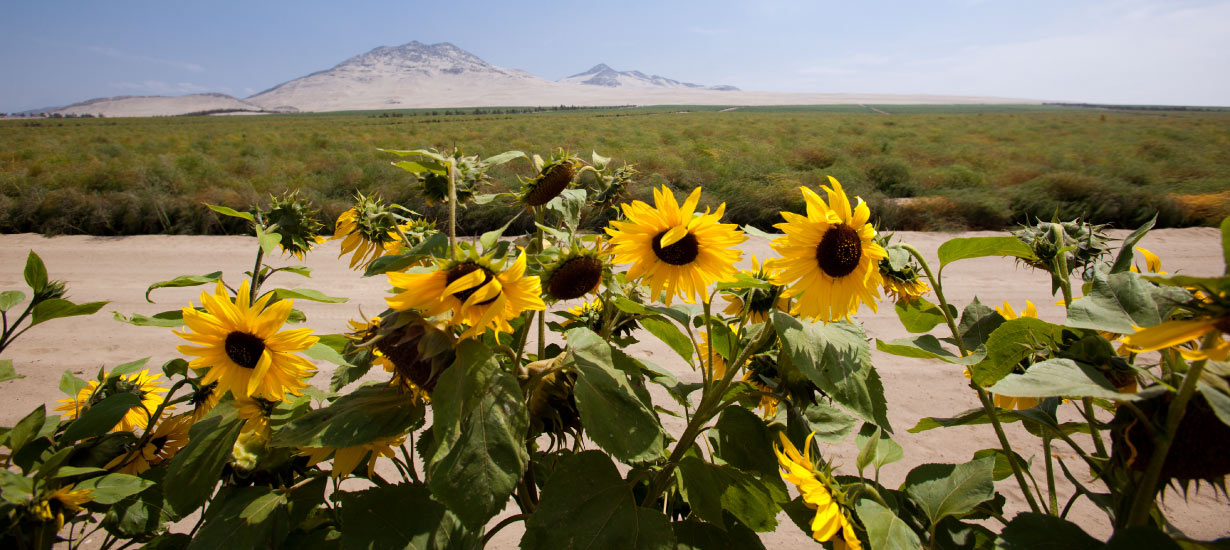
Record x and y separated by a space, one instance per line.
935 167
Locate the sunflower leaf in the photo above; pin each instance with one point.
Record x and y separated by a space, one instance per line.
384 264
943 490
101 417
488 239
670 335
927 347
57 308
27 429
884 528
252 517
173 318
876 448
919 315
307 294
7 372
184 280
1012 342
741 439
980 247
1123 262
362 416
693 534
1118 303
379 519
1031 530
225 211
712 489
1059 377
194 470
35 273
831 424
479 431
127 368
10 298
613 416
112 488
587 504
70 384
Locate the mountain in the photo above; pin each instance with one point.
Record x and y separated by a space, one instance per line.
159 105
603 75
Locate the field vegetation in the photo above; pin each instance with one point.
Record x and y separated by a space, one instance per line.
920 167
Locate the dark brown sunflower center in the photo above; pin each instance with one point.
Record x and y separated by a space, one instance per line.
244 349
158 442
1223 324
680 252
550 185
463 270
574 278
839 251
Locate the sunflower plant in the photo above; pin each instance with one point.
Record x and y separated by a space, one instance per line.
509 389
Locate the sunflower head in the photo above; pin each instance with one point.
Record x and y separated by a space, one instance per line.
346 459
901 273
416 351
1088 243
756 303
591 315
1200 444
574 273
829 257
168 438
819 491
51 506
549 398
554 177
296 221
367 230
142 384
673 249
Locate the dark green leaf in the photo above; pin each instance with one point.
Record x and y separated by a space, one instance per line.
978 247
35 273
244 517
101 417
7 372
586 504
1059 378
943 490
831 424
359 417
307 294
1029 531
10 298
1143 537
698 535
1123 262
27 428
184 280
614 417
670 334
171 319
1219 401
885 531
141 514
1002 470
628 306
711 489
298 270
977 323
398 262
1013 342
400 516
927 347
876 447
741 439
920 315
71 385
112 488
56 308
231 212
488 239
1115 303
479 432
175 367
195 469
837 358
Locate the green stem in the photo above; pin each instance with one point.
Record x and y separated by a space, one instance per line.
1143 500
542 319
1098 445
1050 474
1061 274
985 398
256 270
452 207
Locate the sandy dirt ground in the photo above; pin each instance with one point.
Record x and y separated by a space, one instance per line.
119 269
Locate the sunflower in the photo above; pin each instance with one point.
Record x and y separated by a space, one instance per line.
901 274
361 331
702 351
574 274
1152 262
169 437
346 459
367 230
141 383
204 399
1009 314
256 414
829 257
296 222
473 289
757 303
814 489
241 348
768 403
552 180
52 506
671 249
1177 333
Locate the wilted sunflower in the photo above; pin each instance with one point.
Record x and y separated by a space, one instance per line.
296 222
768 403
574 274
140 383
552 180
817 495
346 459
474 289
829 257
168 438
416 350
367 230
757 303
241 348
671 249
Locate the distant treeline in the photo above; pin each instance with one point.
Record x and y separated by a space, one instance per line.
496 111
1138 107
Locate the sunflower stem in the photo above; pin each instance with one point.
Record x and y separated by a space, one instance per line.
1050 475
983 397
1061 274
256 274
542 319
1091 418
452 207
1143 501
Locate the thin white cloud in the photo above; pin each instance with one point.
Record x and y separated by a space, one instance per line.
118 54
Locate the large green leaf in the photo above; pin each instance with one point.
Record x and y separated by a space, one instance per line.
1116 303
56 308
362 416
613 416
70 385
927 347
979 247
670 334
711 489
943 490
741 439
10 298
325 352
140 514
398 262
586 504
876 448
194 470
307 294
694 534
478 452
35 273
184 280
831 424
1056 378
244 517
112 488
1123 262
399 516
27 429
920 315
837 358
977 323
1030 531
101 417
1011 343
885 531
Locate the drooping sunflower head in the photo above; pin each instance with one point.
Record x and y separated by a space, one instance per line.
346 459
555 176
415 350
901 274
358 350
297 222
673 249
591 315
1202 439
549 398
756 303
829 257
1087 242
240 347
203 400
470 174
142 384
477 292
168 438
574 273
1009 314
51 506
818 490
367 230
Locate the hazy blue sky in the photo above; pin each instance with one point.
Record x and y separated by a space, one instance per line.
57 52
